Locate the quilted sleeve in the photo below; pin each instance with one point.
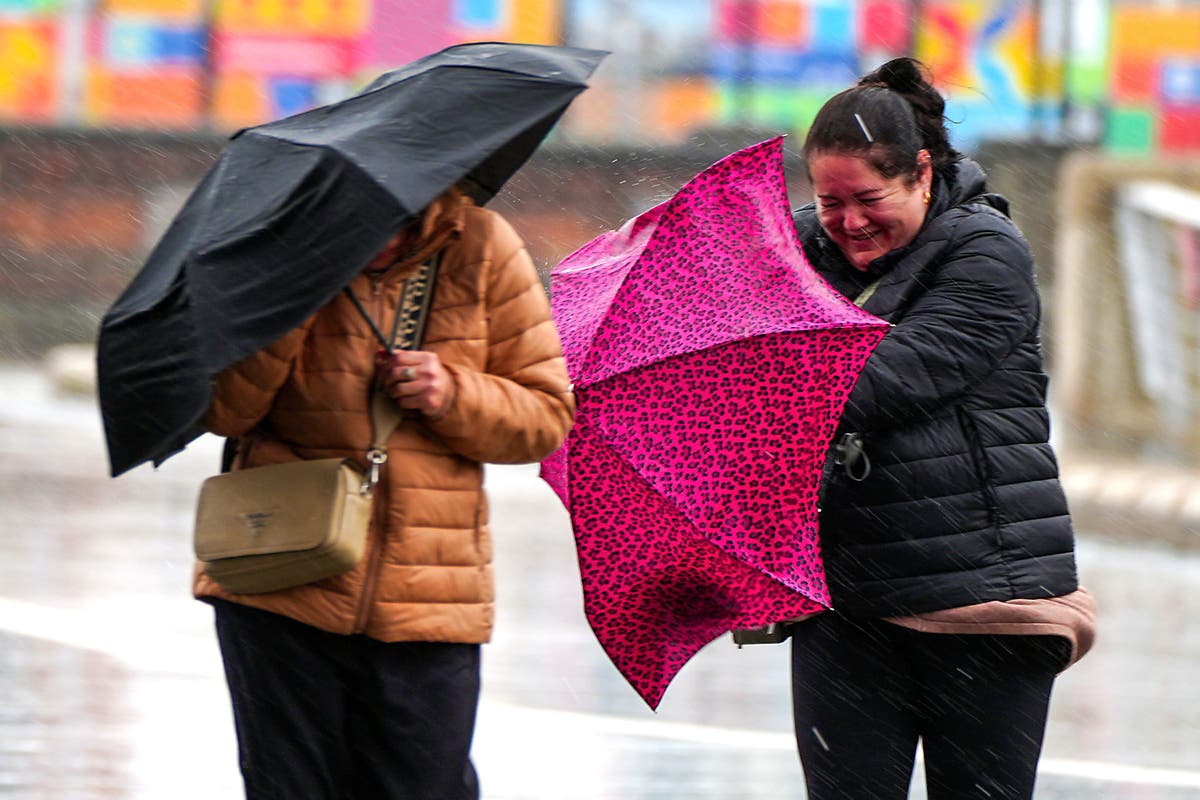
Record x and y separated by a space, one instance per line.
981 304
520 408
244 392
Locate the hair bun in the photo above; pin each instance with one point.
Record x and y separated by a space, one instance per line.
901 75
911 82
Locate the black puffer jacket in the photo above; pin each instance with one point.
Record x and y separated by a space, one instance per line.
963 503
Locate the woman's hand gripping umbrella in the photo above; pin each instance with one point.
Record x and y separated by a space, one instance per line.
710 365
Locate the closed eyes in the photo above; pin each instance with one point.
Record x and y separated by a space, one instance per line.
826 205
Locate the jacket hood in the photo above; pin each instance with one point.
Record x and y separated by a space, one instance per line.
964 182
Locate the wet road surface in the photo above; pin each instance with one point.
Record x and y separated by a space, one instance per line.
111 687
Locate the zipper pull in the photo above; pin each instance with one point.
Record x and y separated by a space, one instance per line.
376 457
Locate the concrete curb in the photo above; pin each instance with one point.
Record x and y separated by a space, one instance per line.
1132 499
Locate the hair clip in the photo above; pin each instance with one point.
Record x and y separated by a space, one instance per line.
866 133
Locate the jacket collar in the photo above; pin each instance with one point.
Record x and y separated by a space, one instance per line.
442 220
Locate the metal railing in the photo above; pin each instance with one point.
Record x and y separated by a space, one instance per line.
1157 230
1126 307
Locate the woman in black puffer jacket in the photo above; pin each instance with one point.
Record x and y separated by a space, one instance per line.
944 528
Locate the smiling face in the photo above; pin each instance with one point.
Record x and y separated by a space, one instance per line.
864 213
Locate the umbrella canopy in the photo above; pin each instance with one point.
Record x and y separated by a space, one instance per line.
711 365
294 209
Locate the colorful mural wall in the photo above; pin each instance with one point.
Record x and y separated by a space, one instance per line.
777 61
29 60
144 63
1128 69
771 63
1155 79
178 64
983 54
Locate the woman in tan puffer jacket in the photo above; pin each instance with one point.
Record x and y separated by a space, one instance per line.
365 684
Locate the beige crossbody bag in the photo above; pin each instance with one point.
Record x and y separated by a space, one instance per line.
269 528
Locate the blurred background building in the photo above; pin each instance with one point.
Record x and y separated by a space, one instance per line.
112 110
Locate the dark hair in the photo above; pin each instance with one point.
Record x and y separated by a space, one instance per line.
889 116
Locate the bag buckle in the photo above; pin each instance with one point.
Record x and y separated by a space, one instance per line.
376 457
850 456
773 633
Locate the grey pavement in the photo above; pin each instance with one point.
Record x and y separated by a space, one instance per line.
110 682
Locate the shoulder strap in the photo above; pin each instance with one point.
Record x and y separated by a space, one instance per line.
866 293
412 310
408 333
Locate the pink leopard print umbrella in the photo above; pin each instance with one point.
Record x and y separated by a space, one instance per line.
711 364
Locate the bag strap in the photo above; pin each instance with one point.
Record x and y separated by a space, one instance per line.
408 333
412 308
866 293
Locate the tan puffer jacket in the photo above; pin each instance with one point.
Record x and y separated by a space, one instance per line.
427 572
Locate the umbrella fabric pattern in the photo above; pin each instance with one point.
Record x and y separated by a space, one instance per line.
295 208
711 365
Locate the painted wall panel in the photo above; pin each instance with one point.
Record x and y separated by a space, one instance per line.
29 69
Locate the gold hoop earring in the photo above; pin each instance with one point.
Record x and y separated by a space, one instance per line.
928 197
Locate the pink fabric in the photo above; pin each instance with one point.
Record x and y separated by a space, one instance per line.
401 31
711 364
1188 241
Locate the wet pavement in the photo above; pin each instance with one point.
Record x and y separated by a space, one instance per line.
111 687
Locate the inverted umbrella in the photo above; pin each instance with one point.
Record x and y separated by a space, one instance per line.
711 365
293 209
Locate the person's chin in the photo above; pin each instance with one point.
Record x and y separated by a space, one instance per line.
861 259
858 253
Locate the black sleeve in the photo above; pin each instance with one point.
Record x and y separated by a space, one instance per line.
980 304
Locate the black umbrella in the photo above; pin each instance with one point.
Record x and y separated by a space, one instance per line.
294 209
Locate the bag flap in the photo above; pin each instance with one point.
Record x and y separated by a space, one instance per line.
280 508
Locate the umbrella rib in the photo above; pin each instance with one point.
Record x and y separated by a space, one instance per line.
615 450
565 81
674 356
667 502
732 341
649 486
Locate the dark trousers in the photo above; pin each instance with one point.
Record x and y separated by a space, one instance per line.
865 692
322 717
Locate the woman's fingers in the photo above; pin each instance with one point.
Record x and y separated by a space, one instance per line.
416 379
